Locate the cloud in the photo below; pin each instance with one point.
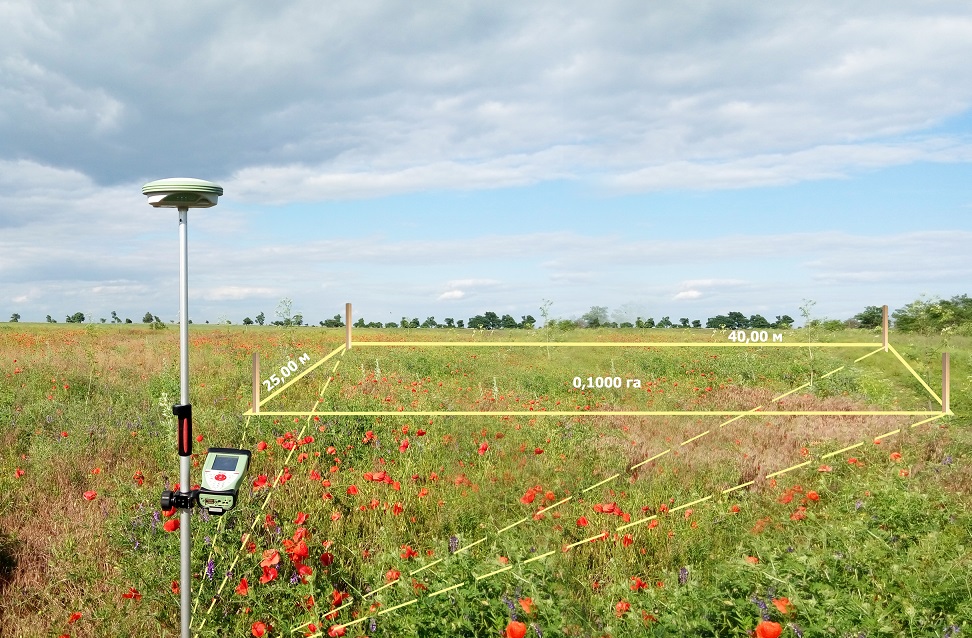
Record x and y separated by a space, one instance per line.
688 294
452 294
367 99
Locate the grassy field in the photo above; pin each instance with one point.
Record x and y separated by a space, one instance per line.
404 524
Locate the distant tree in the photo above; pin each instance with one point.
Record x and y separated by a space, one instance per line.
683 322
49 320
77 317
759 321
333 322
127 320
739 320
508 322
649 323
283 312
430 322
247 321
833 325
870 317
414 323
450 322
460 324
783 322
487 321
404 322
391 324
298 320
696 323
595 317
115 318
626 324
360 323
147 318
527 322
14 318
103 320
260 318
665 323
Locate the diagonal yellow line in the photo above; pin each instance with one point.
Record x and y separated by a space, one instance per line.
306 371
681 507
789 469
586 540
404 604
849 447
610 478
493 573
912 371
661 454
512 525
859 359
442 591
424 567
530 560
372 593
560 502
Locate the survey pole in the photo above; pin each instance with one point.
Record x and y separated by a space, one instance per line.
185 539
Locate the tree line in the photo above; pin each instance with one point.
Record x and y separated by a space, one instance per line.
924 315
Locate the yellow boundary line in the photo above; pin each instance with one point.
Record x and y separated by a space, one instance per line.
273 485
603 535
737 413
303 373
912 371
603 344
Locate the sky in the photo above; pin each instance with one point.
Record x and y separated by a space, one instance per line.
447 159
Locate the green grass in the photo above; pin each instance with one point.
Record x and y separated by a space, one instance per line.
884 551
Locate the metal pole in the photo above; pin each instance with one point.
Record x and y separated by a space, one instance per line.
256 383
185 540
347 326
946 384
884 327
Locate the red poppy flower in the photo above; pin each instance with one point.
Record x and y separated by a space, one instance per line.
90 495
175 587
259 629
243 588
515 629
132 594
76 616
483 448
392 575
527 605
18 473
301 518
353 490
336 630
768 629
260 481
528 497
403 446
896 456
408 552
638 584
271 557
783 604
269 574
171 525
538 451
622 608
582 521
813 496
327 558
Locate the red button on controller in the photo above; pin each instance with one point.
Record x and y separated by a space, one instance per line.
220 477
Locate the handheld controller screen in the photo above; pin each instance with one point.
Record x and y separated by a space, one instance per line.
222 473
